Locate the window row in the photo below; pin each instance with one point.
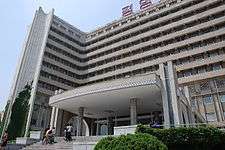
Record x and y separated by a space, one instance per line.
127 74
65 53
58 79
152 18
157 35
208 99
67 36
48 86
144 59
129 27
200 56
206 86
63 61
201 69
62 70
164 23
153 46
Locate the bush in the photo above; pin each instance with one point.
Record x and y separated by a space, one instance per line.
130 142
201 138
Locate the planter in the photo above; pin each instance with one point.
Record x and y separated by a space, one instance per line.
124 130
35 135
25 140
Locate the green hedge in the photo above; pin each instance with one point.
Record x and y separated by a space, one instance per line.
199 138
130 142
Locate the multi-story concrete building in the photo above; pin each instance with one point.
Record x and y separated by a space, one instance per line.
188 35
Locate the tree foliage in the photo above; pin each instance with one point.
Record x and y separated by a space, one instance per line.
20 108
130 142
4 118
191 138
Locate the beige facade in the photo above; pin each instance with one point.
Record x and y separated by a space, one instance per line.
188 33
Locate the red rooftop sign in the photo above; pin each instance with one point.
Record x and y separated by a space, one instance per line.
145 4
127 10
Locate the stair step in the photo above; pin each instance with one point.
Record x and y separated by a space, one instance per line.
61 144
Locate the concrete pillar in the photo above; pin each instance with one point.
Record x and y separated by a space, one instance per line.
133 111
185 118
58 121
190 114
165 96
110 125
40 116
173 89
217 109
80 121
98 126
217 103
115 121
52 121
56 117
92 127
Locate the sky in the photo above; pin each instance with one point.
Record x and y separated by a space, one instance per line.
16 15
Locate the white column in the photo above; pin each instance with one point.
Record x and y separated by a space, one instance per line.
173 89
56 117
217 103
97 127
190 113
80 121
41 41
217 108
52 121
165 98
133 111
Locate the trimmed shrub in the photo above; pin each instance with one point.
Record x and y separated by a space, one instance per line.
130 142
199 138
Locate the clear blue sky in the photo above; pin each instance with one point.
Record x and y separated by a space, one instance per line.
16 15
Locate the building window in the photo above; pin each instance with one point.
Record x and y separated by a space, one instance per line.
205 86
211 117
216 67
207 99
222 98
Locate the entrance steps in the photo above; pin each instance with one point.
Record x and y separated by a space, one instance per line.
78 143
56 146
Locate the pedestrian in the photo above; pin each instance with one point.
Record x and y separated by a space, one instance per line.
4 141
65 134
69 130
44 134
49 136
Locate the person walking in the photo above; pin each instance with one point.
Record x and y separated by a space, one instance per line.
69 130
48 137
4 141
44 135
65 134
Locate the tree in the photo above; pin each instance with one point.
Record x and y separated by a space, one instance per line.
4 118
20 108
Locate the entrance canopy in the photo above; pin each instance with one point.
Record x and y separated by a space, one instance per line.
103 99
